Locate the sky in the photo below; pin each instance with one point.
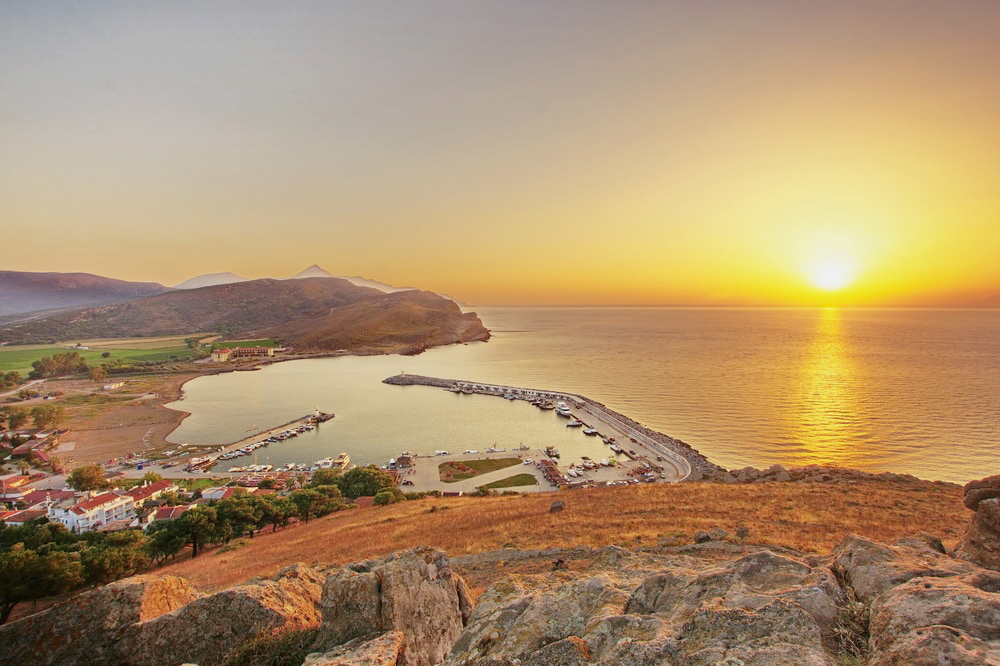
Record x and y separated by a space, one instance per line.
747 152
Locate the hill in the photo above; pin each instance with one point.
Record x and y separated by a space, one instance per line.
27 292
210 280
319 314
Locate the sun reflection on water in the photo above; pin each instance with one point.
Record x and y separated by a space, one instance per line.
828 403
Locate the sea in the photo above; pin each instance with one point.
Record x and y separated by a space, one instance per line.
908 391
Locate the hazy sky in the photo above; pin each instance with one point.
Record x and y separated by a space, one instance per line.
511 152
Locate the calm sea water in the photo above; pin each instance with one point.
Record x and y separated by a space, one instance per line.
898 390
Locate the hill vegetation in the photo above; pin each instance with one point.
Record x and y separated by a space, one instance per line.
311 314
28 292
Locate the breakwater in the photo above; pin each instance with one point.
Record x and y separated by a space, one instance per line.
693 465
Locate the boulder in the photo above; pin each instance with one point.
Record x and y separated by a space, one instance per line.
86 627
415 592
701 536
981 541
977 491
870 568
953 620
382 650
206 629
557 506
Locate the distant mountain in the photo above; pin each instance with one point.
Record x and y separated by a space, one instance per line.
316 271
309 313
210 280
27 292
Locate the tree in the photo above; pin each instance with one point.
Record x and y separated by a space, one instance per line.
87 477
115 555
383 497
151 476
324 477
306 502
12 378
199 527
364 481
46 415
16 417
97 373
241 514
276 511
105 355
166 539
28 576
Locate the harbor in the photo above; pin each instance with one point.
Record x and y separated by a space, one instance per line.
634 454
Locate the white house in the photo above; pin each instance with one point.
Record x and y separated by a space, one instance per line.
89 514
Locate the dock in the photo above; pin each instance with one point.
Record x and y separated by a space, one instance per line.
674 460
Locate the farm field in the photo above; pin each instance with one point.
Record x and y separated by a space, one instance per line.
20 357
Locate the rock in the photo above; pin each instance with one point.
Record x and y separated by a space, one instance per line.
383 650
718 534
414 591
701 536
981 541
670 542
777 473
871 568
557 506
89 623
953 620
206 629
977 491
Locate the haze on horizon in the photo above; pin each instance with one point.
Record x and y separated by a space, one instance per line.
726 152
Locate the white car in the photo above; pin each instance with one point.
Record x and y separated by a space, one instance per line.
528 461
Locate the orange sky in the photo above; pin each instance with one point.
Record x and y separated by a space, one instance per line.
575 153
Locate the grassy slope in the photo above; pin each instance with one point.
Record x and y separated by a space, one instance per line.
806 517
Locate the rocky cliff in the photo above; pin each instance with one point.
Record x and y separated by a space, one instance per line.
714 601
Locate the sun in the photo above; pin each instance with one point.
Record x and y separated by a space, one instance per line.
830 274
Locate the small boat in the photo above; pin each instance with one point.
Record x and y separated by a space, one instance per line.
574 424
469 452
616 448
590 431
605 463
551 452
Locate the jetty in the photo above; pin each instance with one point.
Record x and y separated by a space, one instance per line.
671 458
208 460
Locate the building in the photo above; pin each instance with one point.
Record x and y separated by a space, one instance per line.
221 355
37 498
18 518
247 352
171 512
13 488
89 514
113 386
151 491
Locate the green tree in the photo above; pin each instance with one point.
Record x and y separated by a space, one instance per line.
12 378
324 477
16 417
28 575
166 539
151 476
364 481
45 416
87 477
306 502
199 527
115 555
242 514
333 492
383 497
97 373
276 511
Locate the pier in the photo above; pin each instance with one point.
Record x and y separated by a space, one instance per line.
651 449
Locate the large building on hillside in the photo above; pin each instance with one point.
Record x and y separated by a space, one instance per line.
223 355
94 512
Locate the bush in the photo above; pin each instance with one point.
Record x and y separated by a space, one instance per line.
383 498
270 648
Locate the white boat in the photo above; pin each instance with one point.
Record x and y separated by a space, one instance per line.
470 452
574 424
442 453
590 431
616 448
605 463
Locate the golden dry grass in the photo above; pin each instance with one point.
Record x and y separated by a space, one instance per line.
805 517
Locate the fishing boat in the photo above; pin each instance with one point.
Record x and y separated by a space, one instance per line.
590 431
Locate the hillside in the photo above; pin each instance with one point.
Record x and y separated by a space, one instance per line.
312 314
27 292
210 280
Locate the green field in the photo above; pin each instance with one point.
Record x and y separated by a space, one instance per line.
459 470
20 357
514 481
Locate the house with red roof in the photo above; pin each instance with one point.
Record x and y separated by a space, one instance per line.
13 488
89 514
21 517
36 498
151 491
171 512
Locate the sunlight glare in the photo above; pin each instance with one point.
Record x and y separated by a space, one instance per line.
830 274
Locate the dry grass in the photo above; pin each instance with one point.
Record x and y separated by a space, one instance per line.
805 517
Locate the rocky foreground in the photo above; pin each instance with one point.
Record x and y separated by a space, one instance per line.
709 602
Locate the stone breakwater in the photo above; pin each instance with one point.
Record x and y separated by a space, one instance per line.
700 466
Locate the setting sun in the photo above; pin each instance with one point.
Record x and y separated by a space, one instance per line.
830 274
